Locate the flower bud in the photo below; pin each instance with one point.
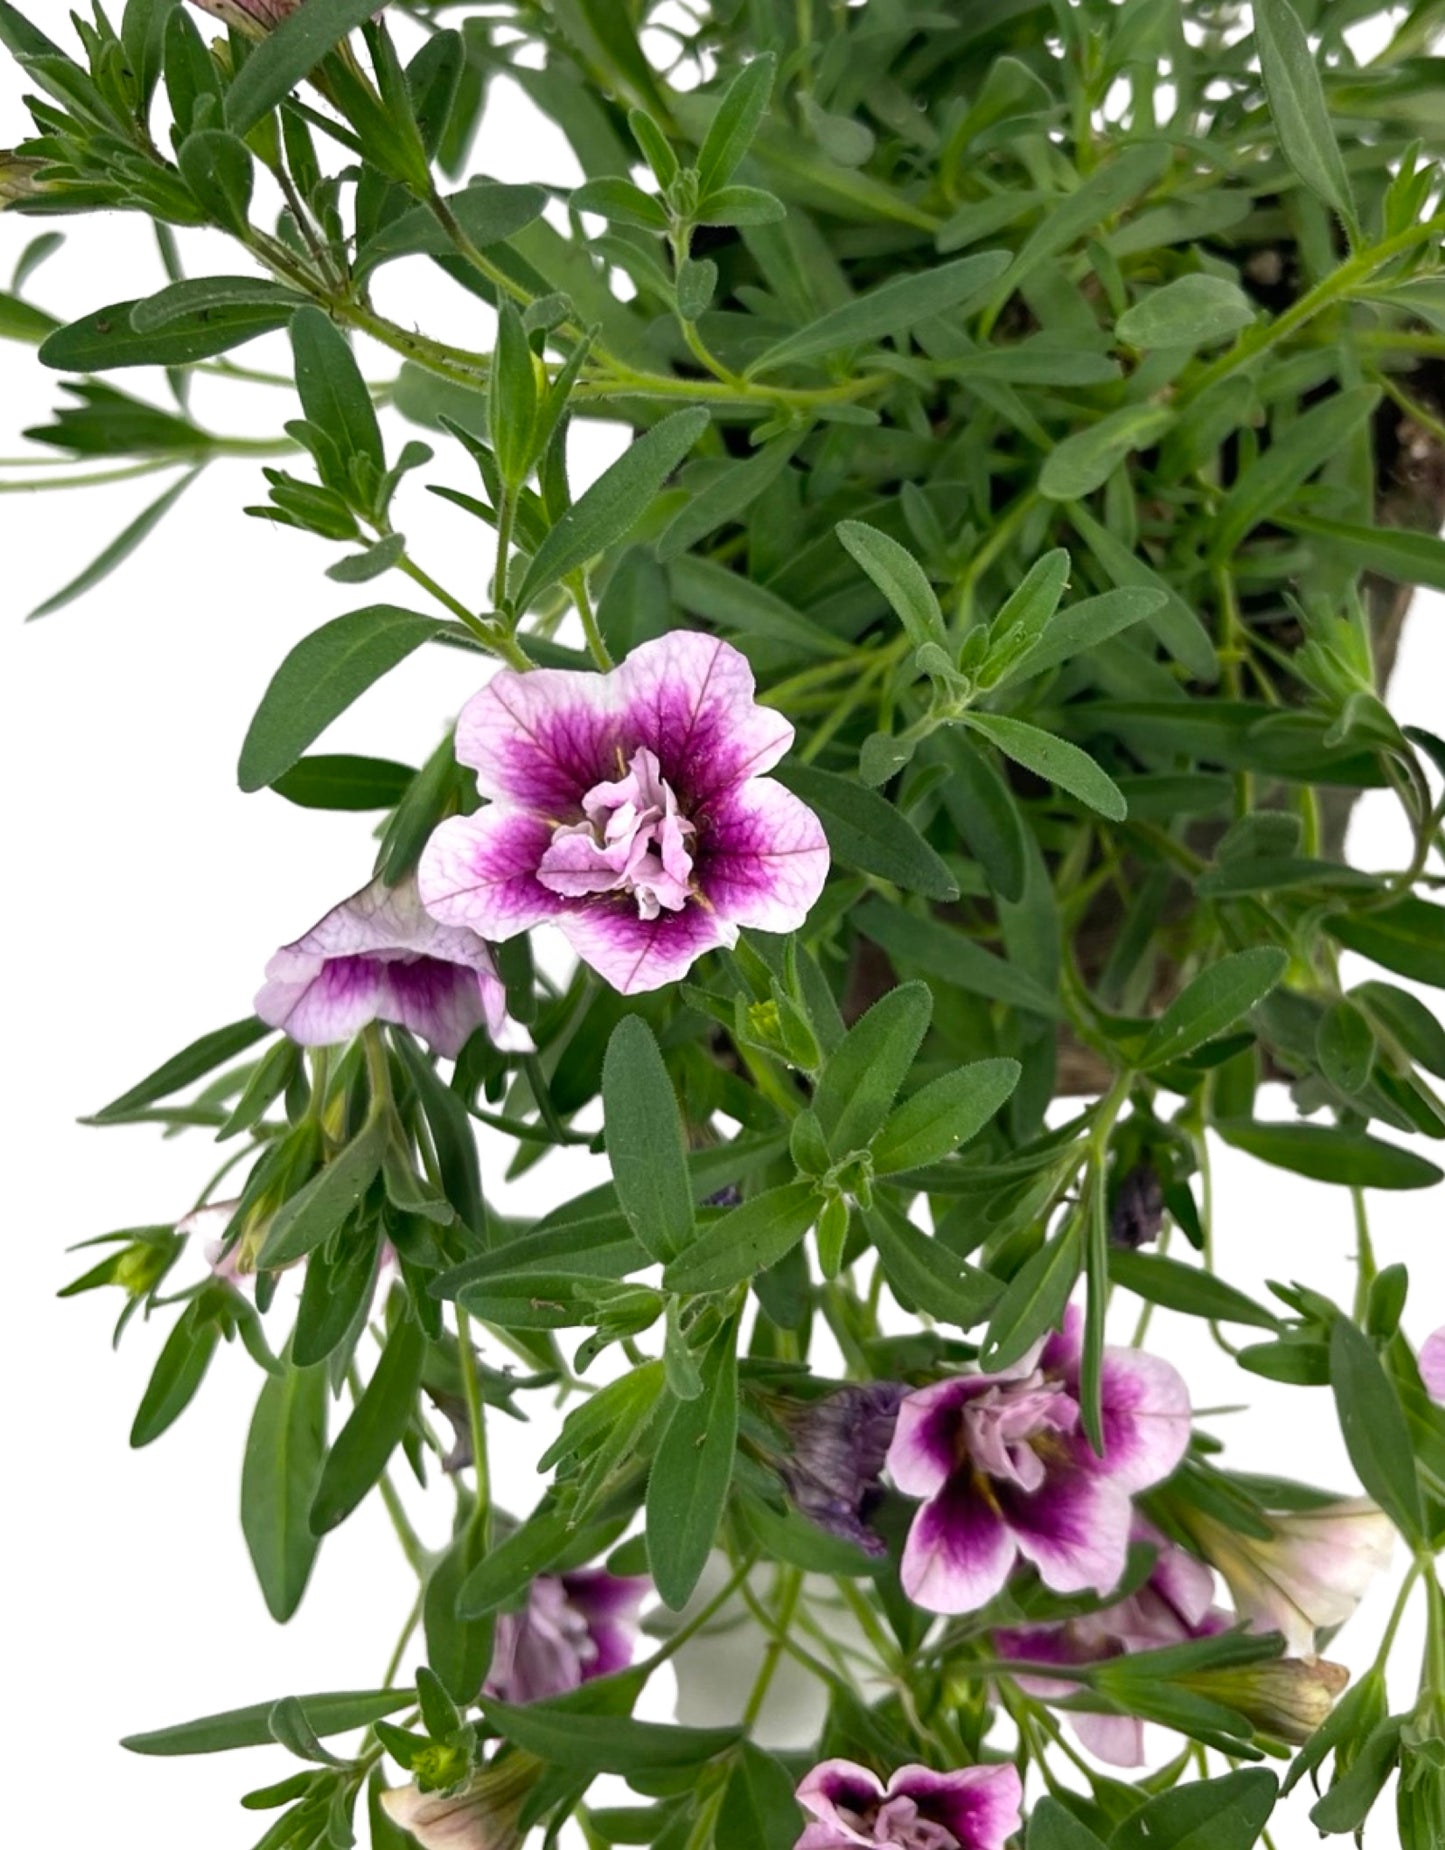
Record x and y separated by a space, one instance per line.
253 17
482 1814
1287 1697
18 178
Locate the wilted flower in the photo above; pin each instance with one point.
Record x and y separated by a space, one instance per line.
1007 1471
18 178
254 17
975 1808
1138 1210
835 1470
1310 1573
1432 1365
1175 1604
379 956
573 1627
1287 1697
629 810
480 1815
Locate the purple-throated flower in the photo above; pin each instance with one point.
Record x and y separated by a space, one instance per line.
1310 1573
1175 1604
379 956
630 810
975 1808
835 1471
573 1627
1005 1469
1432 1364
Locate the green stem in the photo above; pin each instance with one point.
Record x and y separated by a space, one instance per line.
576 583
790 1587
1364 1255
481 1517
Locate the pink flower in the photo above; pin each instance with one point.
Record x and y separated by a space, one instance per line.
1006 1470
1432 1364
480 1814
379 957
628 809
1175 1604
975 1808
573 1627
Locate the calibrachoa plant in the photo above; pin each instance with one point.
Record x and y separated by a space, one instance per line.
927 750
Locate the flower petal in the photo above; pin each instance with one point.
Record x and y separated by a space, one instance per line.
481 871
1074 1528
320 1000
1432 1365
1118 1740
440 1002
764 857
634 954
542 739
1147 1419
831 1787
923 1452
690 698
979 1804
958 1553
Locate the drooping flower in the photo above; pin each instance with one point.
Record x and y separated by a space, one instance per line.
835 1470
630 810
480 1814
1309 1574
379 956
975 1808
1175 1604
1432 1364
1287 1697
1006 1470
1138 1210
253 17
573 1627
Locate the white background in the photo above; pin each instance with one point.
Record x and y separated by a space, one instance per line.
145 895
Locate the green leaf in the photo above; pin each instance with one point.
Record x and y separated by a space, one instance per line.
944 1114
105 340
198 295
1034 1301
741 205
1026 615
374 1430
1410 558
866 831
1407 1018
528 1551
120 548
892 308
1053 1828
688 1485
1193 311
250 1727
459 1651
1177 626
320 678
1185 1288
217 168
1407 937
1054 759
759 1810
982 808
621 202
288 53
733 602
1272 478
614 502
333 393
1207 1814
1376 1434
1327 1155
746 1241
645 1145
1072 216
1345 1047
1083 626
1296 97
731 131
566 1735
19 36
340 781
862 1076
282 1466
900 578
191 1063
944 952
1212 1002
726 497
315 1212
1085 460
179 1371
924 1275
486 211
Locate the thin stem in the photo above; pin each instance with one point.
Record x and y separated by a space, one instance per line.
577 584
481 1518
789 1589
1364 1255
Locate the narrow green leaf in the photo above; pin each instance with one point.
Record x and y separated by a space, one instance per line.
105 340
1193 311
1086 459
1177 626
342 782
1348 1158
1296 96
688 1485
944 1114
515 1561
614 502
333 1193
198 295
726 497
1409 558
179 1371
731 131
120 548
900 578
250 1727
862 1077
759 1810
458 1651
565 1735
745 1241
333 393
191 1063
1207 1814
1407 937
287 54
1034 1301
1272 478
1185 1288
282 1466
1055 759
1212 1002
924 1275
944 952
320 678
644 1140
487 212
1084 626
1053 1828
374 1430
892 308
866 831
1376 1433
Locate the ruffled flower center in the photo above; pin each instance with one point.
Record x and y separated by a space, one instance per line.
1012 1431
900 1825
633 840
